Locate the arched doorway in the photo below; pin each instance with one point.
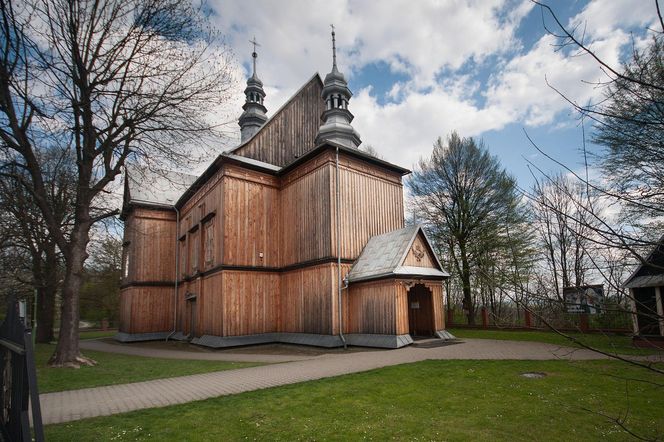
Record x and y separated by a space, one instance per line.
420 311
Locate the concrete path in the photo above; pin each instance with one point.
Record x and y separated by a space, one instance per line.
101 401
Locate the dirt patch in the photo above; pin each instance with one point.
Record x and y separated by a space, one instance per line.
534 375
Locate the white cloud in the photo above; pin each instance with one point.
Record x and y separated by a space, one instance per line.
425 40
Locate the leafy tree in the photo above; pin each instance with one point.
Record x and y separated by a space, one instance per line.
106 82
469 204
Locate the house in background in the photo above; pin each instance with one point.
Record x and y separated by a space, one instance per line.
294 236
646 289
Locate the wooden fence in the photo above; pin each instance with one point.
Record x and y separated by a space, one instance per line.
612 319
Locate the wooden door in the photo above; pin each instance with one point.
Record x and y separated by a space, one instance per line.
646 309
420 311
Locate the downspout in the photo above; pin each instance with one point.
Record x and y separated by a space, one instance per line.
177 262
339 281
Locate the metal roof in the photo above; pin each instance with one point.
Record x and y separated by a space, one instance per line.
251 162
646 281
384 255
653 267
155 187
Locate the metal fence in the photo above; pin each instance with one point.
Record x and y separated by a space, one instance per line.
18 380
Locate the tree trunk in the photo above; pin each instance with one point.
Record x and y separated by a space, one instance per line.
46 297
465 282
46 294
45 313
67 352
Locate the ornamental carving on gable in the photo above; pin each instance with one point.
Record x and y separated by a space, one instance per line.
418 252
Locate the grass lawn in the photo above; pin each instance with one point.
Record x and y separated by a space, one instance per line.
609 343
430 400
96 334
118 369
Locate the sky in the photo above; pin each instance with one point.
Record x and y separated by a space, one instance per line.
421 69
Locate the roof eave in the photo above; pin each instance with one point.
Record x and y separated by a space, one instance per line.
354 152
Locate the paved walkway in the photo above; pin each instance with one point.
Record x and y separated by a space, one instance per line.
101 401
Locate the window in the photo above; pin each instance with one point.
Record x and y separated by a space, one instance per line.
125 261
183 256
208 242
194 250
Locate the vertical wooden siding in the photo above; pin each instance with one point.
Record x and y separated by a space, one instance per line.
291 132
146 309
251 223
306 301
371 203
305 217
211 305
418 248
151 248
250 302
372 308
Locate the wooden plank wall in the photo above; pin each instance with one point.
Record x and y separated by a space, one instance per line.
207 200
146 309
151 248
291 132
125 310
245 204
371 203
371 308
308 300
305 215
291 221
251 223
250 302
425 261
210 304
438 304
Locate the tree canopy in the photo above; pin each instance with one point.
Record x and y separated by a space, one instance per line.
471 207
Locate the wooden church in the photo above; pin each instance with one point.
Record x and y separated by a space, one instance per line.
294 236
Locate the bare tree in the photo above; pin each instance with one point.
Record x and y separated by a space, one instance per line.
110 81
559 209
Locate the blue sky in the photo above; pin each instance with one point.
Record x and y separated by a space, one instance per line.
420 69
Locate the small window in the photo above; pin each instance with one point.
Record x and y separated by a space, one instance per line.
183 256
125 261
209 243
194 250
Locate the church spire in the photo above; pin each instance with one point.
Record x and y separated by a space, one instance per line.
334 50
337 118
254 115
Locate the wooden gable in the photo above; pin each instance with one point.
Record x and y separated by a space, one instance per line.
404 252
420 254
291 132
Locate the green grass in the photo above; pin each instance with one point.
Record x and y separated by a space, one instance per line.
609 343
430 400
96 334
118 369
